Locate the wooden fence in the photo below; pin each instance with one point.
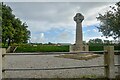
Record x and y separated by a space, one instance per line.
109 66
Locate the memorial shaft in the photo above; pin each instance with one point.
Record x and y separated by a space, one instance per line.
78 46
79 38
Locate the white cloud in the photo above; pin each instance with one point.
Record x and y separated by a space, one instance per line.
42 35
36 26
95 30
54 15
39 38
103 38
63 36
33 39
42 38
45 16
93 13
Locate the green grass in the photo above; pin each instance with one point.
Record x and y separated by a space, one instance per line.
98 47
88 76
42 48
53 48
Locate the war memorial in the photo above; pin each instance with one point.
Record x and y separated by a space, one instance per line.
78 46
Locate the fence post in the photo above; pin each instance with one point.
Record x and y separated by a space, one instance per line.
0 63
3 62
109 61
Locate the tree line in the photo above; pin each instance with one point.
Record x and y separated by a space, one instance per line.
12 28
100 41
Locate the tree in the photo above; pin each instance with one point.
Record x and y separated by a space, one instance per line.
49 43
7 29
110 22
107 42
13 30
0 23
94 41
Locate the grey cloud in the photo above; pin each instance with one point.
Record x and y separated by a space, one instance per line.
53 14
51 11
44 16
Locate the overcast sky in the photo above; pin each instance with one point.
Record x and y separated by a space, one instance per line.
53 21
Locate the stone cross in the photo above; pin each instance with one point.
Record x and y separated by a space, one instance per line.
79 39
78 18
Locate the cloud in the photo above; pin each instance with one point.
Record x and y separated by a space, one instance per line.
38 38
103 38
43 17
91 15
95 30
64 36
42 35
45 13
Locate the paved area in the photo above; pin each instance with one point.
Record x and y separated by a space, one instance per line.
48 61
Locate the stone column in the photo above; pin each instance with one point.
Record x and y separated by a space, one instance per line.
79 38
78 46
78 19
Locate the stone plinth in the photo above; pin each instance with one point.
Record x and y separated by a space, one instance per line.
74 48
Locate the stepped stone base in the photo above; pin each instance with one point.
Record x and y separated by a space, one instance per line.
76 48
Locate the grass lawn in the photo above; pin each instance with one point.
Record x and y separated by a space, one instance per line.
84 56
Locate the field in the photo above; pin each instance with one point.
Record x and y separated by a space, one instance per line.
42 48
57 48
100 47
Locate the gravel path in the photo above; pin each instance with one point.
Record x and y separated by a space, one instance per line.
47 61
